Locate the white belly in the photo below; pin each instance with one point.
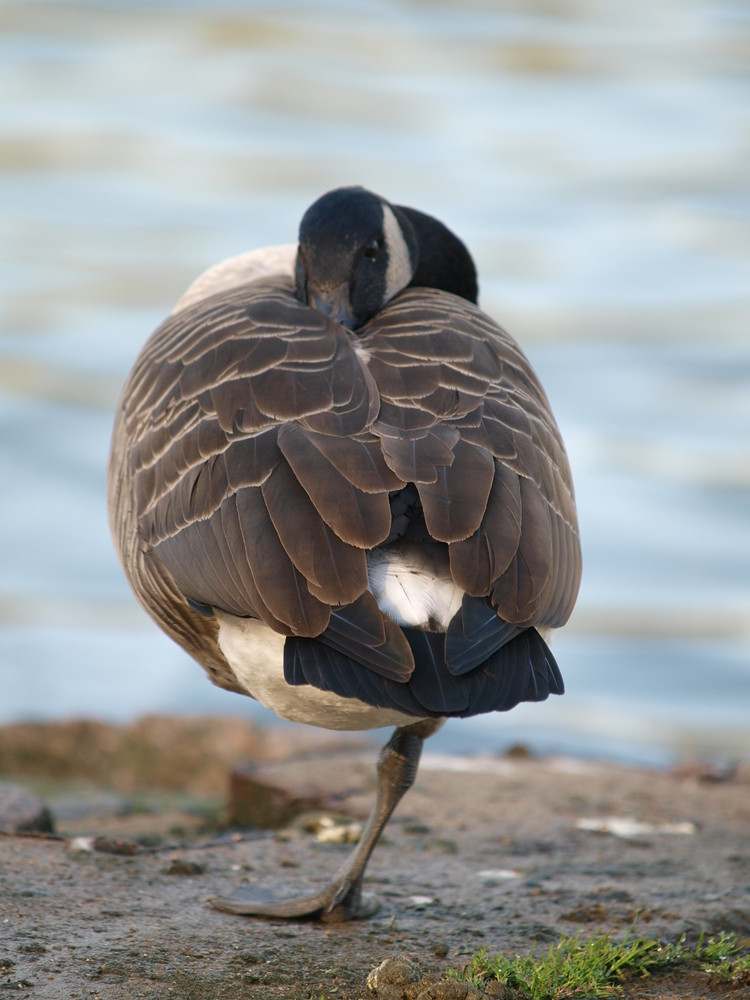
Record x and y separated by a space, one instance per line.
256 655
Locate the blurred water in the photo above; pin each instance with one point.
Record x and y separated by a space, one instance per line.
594 157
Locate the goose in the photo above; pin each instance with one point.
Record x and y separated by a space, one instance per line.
338 485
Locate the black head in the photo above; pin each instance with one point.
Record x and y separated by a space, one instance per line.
356 251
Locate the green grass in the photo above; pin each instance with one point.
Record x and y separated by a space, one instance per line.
723 956
597 968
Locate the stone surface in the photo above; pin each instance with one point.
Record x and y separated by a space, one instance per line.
269 796
393 972
520 872
21 811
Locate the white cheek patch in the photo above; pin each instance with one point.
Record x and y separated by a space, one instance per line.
399 272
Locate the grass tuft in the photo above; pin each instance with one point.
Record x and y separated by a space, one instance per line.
598 967
724 957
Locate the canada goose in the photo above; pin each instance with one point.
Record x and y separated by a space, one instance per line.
338 485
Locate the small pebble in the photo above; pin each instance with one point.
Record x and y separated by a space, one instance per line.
116 845
393 972
627 827
420 902
328 830
178 866
499 874
81 845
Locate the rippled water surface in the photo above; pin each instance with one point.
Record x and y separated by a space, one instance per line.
594 157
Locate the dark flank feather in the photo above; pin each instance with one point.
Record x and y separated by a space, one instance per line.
359 458
455 503
335 571
486 554
370 638
359 518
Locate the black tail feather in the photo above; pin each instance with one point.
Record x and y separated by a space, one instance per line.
474 634
523 669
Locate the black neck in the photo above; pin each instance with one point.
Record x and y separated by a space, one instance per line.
444 262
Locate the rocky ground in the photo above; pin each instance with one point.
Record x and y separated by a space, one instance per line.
497 853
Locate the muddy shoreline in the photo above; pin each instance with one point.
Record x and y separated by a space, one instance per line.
501 853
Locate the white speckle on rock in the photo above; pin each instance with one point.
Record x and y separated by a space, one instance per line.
499 874
627 827
419 902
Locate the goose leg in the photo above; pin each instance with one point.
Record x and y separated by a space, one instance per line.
343 899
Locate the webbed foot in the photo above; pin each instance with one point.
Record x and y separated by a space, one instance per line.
328 905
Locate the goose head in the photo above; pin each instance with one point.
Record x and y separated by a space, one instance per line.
357 251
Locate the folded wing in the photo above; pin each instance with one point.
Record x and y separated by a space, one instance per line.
256 459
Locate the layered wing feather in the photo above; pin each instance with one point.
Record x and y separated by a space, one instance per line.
220 392
504 503
257 453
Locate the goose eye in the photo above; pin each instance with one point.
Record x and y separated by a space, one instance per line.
371 249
